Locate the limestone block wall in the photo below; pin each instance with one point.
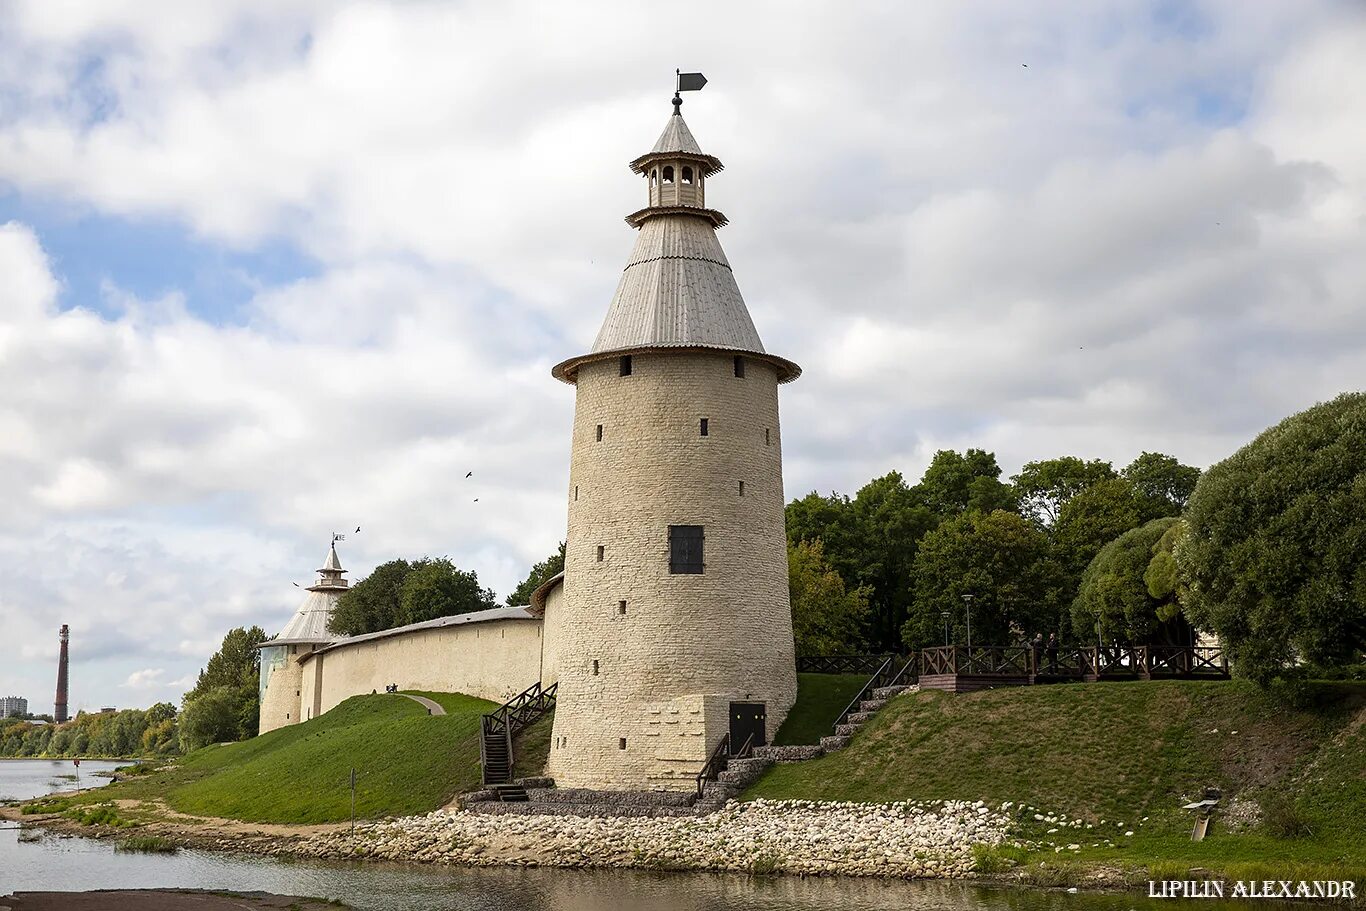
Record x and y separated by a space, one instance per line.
281 700
551 636
645 684
493 660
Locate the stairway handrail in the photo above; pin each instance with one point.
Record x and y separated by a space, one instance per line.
712 766
870 685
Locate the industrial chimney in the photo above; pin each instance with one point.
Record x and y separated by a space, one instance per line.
59 711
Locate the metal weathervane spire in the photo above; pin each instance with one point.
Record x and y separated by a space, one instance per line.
686 82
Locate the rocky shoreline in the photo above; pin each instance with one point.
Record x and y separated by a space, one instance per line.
923 840
928 839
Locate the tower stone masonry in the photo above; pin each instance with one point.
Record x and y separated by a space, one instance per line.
676 628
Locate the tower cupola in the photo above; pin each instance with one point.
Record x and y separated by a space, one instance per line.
678 291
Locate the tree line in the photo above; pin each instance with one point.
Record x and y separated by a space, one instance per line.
1266 549
114 735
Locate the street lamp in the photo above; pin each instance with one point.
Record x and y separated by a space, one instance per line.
967 608
945 615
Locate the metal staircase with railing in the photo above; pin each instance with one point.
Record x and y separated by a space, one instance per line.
499 727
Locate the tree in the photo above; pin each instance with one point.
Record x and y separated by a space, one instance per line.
827 617
1002 561
236 663
1163 484
870 541
954 483
373 603
537 577
1275 553
399 592
1115 590
234 669
435 588
890 521
211 716
1043 487
1090 520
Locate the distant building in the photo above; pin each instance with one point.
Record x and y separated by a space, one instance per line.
108 708
13 705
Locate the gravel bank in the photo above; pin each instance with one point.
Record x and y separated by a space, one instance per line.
927 839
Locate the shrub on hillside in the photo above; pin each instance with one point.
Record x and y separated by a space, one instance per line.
1275 553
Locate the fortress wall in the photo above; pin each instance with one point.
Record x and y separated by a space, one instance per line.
551 632
492 660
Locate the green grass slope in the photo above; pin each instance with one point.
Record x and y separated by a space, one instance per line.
406 762
1116 751
820 699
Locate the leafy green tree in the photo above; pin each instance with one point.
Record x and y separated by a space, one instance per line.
235 668
830 520
435 588
401 592
1275 554
1114 589
1090 520
237 662
1164 485
1163 577
373 603
542 571
954 483
1044 487
1002 561
891 522
827 617
213 715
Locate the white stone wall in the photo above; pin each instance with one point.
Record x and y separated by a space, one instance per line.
687 644
280 704
494 660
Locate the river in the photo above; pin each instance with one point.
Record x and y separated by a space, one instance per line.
49 862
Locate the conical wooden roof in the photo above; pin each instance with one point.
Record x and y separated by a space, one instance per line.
678 290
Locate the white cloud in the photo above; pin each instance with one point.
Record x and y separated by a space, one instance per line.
1147 238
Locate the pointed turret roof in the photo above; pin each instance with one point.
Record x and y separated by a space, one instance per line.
309 623
678 290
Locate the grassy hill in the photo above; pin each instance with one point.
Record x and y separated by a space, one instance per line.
406 762
820 699
1121 752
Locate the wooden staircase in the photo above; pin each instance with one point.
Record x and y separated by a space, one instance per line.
497 729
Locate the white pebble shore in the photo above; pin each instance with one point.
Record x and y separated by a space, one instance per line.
929 839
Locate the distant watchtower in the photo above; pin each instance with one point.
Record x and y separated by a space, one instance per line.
676 627
281 676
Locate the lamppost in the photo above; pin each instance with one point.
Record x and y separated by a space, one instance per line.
945 615
967 608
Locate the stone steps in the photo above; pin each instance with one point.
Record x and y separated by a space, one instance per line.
871 705
790 753
858 717
887 692
832 742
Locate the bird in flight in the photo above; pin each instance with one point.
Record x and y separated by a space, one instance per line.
357 528
468 473
295 584
476 499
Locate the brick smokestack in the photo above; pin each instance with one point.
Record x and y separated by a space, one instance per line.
59 711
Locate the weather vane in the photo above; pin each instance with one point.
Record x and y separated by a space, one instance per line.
686 82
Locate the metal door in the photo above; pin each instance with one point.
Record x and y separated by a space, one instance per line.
747 720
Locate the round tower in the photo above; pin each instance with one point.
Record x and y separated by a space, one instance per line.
676 624
281 675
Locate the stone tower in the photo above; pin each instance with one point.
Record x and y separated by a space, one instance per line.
676 626
281 675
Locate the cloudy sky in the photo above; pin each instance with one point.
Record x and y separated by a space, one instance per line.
270 270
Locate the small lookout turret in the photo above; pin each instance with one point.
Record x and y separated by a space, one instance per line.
305 632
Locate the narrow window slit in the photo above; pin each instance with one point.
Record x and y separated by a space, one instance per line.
626 365
599 433
704 427
601 551
739 366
